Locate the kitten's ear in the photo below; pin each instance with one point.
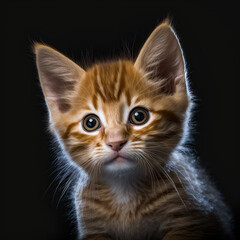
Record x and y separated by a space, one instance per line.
58 76
161 59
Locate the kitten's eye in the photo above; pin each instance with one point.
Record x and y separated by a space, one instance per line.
91 123
139 116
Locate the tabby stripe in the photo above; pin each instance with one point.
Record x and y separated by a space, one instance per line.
122 84
98 208
78 148
67 132
157 197
119 73
166 136
97 237
167 115
97 87
128 96
95 101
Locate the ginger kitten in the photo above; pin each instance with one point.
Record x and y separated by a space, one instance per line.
124 123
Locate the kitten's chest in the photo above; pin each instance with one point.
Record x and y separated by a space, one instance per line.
118 214
121 221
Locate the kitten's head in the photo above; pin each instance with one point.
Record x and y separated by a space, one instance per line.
122 116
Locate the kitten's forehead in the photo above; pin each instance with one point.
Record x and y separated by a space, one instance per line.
112 82
111 89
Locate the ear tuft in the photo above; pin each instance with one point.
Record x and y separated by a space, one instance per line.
167 21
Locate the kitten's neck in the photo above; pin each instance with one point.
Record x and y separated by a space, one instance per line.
127 187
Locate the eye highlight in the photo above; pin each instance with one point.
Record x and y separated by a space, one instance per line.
139 116
91 123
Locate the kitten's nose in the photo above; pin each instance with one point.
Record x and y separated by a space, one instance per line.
117 146
115 139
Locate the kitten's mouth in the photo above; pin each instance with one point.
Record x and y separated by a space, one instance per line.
118 158
119 163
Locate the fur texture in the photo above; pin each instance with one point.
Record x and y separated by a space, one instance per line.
141 183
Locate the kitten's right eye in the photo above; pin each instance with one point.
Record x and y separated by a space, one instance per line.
91 123
139 116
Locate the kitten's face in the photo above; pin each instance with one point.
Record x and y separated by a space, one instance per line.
119 120
117 117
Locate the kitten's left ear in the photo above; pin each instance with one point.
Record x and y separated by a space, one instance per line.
161 59
59 77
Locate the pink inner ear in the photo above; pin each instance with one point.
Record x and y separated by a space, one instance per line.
168 69
56 85
161 58
56 89
58 76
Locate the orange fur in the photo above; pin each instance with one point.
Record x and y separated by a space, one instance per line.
146 196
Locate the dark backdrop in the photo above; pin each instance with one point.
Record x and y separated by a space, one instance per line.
89 31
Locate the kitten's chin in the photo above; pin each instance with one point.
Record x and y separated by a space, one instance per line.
119 165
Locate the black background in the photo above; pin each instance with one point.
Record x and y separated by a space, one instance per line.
99 30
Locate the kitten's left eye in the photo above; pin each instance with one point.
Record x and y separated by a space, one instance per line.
139 116
91 123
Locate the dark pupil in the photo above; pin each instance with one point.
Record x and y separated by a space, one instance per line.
91 122
139 116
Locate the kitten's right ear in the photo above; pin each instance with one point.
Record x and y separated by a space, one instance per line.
58 76
162 61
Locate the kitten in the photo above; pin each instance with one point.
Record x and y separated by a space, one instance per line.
124 124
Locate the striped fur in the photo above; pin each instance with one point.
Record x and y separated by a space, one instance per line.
158 192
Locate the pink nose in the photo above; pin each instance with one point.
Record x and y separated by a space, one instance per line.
117 146
115 138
